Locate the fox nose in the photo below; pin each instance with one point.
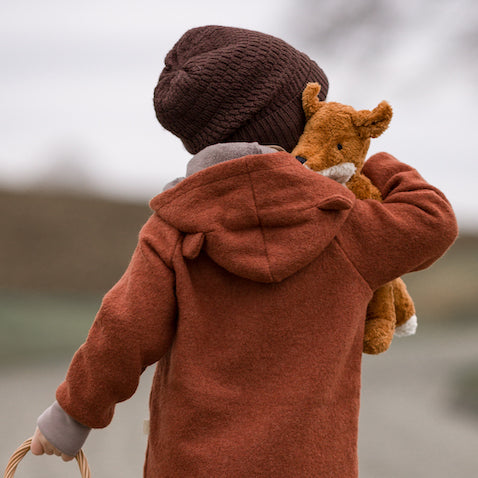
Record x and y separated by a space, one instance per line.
301 159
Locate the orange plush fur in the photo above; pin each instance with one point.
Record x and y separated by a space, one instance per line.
335 142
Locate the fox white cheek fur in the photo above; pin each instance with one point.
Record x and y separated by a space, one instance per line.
340 172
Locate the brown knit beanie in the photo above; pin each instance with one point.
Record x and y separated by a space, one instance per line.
223 84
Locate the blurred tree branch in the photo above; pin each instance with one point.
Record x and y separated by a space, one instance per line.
335 25
374 29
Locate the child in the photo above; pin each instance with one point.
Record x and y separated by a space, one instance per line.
250 281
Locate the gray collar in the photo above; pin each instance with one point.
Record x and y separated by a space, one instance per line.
219 153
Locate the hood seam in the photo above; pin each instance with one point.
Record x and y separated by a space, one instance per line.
337 240
260 224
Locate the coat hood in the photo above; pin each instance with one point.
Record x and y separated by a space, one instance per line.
262 217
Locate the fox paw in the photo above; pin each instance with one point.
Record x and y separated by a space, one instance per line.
376 342
408 328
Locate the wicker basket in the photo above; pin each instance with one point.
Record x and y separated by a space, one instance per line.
23 449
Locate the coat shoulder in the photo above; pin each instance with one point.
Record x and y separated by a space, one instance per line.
161 237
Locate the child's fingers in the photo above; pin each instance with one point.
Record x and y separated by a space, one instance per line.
36 446
47 446
37 449
41 445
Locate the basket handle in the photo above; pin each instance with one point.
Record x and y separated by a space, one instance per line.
23 449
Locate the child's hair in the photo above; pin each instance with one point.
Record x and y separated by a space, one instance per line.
223 84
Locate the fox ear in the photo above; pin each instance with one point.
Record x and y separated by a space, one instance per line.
310 100
372 124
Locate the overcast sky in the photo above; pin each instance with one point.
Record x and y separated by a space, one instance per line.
77 79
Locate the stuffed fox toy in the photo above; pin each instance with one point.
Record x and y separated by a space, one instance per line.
334 143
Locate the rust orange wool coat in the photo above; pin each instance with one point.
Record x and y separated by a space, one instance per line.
249 287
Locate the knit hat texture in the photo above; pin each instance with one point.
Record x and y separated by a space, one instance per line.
225 84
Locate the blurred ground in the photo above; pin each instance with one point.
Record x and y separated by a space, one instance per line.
410 425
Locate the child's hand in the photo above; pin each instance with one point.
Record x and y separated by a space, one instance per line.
41 445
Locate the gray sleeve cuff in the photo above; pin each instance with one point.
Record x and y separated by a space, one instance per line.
62 431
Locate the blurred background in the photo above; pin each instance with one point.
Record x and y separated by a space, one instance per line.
81 154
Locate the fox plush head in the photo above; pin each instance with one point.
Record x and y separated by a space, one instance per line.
336 137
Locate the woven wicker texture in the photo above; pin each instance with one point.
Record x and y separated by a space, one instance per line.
24 448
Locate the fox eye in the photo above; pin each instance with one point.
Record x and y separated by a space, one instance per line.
339 146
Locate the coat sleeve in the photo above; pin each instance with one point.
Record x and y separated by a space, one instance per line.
408 231
134 328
